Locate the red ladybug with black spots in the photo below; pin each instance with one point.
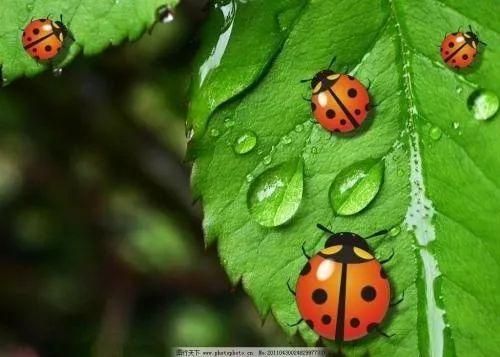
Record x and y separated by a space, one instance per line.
343 292
339 102
43 38
459 49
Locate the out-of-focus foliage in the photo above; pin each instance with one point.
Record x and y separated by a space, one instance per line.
101 251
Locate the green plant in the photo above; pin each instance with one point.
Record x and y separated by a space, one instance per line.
441 179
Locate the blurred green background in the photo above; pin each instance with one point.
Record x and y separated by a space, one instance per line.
101 248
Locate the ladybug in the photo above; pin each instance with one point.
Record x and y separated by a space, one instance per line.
339 102
459 49
44 38
343 292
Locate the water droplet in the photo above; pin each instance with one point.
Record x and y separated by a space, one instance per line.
164 15
394 231
435 133
299 128
314 150
29 7
228 122
245 143
356 186
190 134
456 125
459 89
57 72
483 104
274 196
267 159
400 172
249 178
286 140
214 133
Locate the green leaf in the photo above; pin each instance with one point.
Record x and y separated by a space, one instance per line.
95 25
441 185
356 186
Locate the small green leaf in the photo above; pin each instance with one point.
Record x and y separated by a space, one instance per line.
95 25
275 195
356 186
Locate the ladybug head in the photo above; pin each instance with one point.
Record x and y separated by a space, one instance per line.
348 239
323 80
61 28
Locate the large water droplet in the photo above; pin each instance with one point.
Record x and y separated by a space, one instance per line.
394 231
356 186
274 196
228 122
483 104
456 125
214 133
245 143
435 133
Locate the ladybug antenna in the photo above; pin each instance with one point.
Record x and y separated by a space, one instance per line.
324 229
306 80
379 233
332 62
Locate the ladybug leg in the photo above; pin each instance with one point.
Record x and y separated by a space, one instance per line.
387 259
369 84
398 301
306 99
304 251
289 287
383 333
295 324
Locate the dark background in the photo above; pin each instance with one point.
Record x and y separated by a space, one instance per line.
101 247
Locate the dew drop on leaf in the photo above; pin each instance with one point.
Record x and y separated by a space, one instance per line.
214 133
29 7
459 89
267 159
249 178
228 123
165 15
245 143
456 125
435 133
274 196
356 186
286 140
57 72
299 128
314 150
483 104
394 231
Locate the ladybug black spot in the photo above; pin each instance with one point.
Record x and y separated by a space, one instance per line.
36 31
29 39
306 269
357 112
465 57
330 114
368 293
451 45
371 327
34 50
446 52
383 275
352 93
319 296
342 122
354 322
453 61
313 106
310 323
326 319
48 48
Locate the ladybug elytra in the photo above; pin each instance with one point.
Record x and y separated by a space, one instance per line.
459 49
43 38
339 102
343 292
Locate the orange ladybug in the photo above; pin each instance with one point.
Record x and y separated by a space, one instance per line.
44 38
459 49
343 292
339 102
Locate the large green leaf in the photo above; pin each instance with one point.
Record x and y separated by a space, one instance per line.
443 189
95 25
